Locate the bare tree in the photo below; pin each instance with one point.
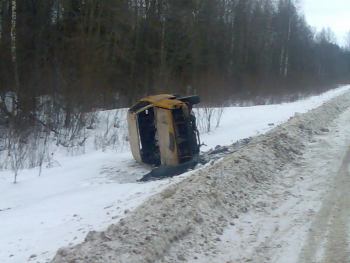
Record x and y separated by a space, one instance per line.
208 118
14 43
326 35
347 41
218 116
42 151
113 130
17 151
74 135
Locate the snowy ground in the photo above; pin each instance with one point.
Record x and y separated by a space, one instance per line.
243 122
189 220
41 214
89 192
304 217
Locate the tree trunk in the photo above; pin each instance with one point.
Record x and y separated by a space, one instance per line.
162 53
1 20
14 46
286 60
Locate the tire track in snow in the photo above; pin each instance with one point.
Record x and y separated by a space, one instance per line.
328 241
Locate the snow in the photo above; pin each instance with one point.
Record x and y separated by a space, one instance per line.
41 214
293 223
243 122
195 211
91 191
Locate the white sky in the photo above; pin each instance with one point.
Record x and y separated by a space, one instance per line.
334 14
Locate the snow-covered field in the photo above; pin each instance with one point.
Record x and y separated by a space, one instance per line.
243 122
91 191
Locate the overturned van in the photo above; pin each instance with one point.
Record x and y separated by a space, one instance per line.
162 130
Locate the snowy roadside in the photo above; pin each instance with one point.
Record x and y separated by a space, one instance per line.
188 219
92 191
277 227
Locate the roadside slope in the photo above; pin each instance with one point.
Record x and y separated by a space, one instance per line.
302 217
200 207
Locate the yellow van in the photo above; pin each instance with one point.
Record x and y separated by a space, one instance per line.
162 130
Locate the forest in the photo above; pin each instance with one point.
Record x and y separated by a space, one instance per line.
257 172
66 56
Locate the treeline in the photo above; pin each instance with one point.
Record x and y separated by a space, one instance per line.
83 54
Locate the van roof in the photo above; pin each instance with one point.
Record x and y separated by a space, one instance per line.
165 101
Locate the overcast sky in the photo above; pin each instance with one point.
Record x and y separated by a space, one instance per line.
334 14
